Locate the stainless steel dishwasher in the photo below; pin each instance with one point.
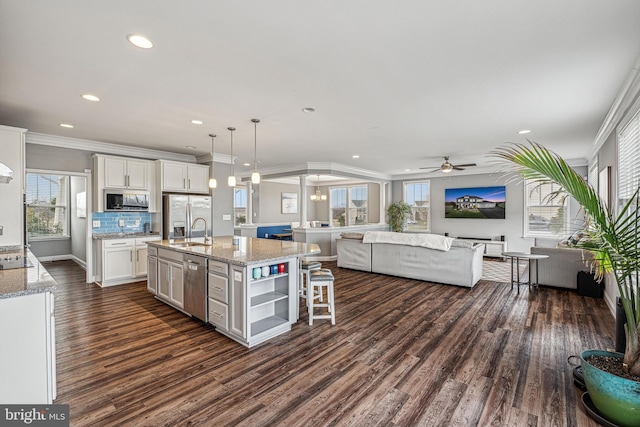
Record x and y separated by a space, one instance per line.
195 286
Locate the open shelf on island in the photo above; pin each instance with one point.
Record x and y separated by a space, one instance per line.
271 276
267 298
267 323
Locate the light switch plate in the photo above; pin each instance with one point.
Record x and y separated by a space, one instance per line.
226 217
96 223
121 223
137 222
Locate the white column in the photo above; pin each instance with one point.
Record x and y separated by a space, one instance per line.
303 199
383 202
249 203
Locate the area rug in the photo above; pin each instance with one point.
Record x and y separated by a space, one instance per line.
497 270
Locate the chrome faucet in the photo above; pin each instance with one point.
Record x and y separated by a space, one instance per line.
206 238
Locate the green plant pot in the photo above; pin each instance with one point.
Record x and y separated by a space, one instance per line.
616 398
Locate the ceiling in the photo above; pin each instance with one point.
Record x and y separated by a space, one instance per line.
401 84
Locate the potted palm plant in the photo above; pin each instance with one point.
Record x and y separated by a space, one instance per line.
398 213
613 240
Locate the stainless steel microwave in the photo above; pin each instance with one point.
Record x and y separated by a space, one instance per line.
130 201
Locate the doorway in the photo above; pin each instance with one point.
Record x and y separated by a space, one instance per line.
57 215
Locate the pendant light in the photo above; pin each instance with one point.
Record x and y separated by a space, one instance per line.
255 176
318 196
232 178
212 181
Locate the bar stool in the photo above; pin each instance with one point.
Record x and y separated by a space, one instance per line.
319 279
305 268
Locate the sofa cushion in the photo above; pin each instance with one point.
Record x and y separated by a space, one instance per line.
457 243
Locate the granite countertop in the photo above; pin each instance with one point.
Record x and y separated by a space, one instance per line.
107 236
25 281
249 250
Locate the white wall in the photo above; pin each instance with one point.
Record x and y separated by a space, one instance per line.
78 225
11 194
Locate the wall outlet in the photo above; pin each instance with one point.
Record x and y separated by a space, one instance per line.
96 224
121 222
266 235
137 222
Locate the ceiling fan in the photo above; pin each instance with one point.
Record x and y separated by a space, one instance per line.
447 167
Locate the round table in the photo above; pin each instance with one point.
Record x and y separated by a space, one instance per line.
532 259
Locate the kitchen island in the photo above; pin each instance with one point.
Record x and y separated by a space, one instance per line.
249 291
27 329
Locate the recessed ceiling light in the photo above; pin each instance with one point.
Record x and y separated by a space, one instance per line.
197 122
355 156
90 97
246 164
191 147
407 170
524 131
140 41
308 110
66 125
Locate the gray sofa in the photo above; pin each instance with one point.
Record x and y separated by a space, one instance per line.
562 267
461 265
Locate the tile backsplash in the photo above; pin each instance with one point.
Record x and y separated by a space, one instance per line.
109 222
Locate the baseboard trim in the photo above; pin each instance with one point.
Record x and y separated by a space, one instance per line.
65 257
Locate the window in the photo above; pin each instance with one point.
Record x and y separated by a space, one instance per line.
417 195
355 198
628 159
239 205
47 206
547 213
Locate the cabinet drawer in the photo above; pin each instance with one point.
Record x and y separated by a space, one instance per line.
218 287
218 314
169 254
140 241
218 267
117 243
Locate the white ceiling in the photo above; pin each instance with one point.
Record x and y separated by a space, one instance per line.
399 83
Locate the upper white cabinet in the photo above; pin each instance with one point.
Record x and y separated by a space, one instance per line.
183 177
127 173
111 172
12 143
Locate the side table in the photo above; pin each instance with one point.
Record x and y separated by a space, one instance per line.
533 261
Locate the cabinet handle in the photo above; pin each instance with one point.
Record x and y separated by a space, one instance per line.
217 315
121 243
137 256
218 289
131 256
189 181
184 183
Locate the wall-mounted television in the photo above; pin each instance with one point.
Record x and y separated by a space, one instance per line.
475 202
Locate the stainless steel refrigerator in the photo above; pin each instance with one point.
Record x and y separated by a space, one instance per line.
180 210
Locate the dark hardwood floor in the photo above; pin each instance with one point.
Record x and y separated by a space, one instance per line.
403 353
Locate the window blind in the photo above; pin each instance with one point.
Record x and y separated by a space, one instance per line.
629 159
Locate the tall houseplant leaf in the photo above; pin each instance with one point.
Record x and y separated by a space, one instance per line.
613 240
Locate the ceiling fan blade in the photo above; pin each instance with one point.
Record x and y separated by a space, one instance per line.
466 165
437 168
458 168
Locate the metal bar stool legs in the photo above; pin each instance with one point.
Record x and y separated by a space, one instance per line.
318 280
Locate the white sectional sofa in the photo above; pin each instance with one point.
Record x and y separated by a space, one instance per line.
460 265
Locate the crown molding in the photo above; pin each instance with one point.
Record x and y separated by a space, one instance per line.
217 157
321 168
105 148
625 99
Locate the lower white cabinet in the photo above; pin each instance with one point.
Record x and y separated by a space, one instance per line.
28 355
124 260
152 270
170 278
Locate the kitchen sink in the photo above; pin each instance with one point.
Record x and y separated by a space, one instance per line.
190 244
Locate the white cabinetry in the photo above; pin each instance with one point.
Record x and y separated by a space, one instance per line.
28 356
123 173
124 260
170 277
218 291
492 248
183 177
126 173
152 270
